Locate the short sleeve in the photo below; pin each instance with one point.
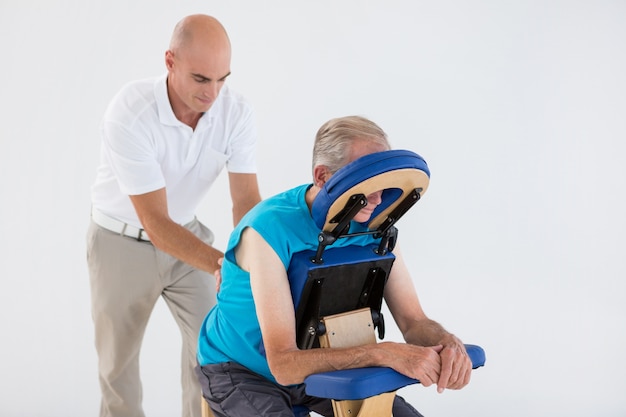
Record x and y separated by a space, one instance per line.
132 157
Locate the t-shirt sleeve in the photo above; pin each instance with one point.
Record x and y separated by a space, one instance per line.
243 144
258 218
133 159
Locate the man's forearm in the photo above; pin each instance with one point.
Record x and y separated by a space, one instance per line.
182 244
428 333
292 367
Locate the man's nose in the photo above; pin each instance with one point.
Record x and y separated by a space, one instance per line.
375 198
211 91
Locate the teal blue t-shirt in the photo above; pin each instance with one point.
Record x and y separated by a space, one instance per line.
231 332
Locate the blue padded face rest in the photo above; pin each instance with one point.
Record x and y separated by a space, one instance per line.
397 172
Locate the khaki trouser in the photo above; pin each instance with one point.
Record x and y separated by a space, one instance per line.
127 277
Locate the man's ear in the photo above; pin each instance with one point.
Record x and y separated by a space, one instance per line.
169 59
321 174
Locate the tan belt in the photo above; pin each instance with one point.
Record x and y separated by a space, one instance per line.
117 226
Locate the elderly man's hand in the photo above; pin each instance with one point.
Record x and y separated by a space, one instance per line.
456 366
419 362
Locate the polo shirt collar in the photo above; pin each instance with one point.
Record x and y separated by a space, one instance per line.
164 108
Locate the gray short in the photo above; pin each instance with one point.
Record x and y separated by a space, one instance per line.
234 391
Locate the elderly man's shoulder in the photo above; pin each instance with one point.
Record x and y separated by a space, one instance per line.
282 207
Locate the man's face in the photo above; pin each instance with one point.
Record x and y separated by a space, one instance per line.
196 76
373 200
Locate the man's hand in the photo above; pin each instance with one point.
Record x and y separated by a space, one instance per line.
218 275
419 362
456 367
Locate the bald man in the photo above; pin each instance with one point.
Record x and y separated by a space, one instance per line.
164 142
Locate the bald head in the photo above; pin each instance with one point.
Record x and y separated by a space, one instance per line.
198 63
198 30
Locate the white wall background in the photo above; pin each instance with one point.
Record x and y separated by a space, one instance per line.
519 107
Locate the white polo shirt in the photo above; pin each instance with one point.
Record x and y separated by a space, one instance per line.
145 148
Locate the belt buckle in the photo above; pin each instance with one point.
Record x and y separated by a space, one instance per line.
139 233
139 238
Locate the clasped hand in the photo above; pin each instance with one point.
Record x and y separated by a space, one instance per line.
448 366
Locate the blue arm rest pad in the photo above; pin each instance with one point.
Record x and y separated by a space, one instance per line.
360 383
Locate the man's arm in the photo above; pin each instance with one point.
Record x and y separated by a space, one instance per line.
171 237
418 329
244 192
288 364
179 242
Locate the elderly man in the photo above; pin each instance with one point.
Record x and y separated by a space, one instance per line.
164 142
255 306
